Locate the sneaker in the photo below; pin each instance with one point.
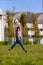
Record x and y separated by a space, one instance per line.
9 49
25 51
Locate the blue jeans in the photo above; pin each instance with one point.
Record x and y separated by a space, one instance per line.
20 43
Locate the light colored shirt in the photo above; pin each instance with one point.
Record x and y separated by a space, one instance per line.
20 34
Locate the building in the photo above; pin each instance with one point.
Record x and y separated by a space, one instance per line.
40 26
2 24
31 33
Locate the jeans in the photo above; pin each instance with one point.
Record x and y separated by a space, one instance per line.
20 43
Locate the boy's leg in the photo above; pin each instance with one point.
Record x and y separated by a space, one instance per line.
21 44
13 45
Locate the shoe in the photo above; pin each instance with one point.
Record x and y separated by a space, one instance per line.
9 49
25 51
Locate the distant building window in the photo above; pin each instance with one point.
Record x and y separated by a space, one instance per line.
0 16
41 36
33 36
41 29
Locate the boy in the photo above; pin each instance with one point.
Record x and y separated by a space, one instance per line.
18 39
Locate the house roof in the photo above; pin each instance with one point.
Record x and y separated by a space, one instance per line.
29 17
1 12
40 19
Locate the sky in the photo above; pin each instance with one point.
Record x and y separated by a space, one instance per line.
21 5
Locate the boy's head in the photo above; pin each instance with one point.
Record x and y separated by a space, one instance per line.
18 28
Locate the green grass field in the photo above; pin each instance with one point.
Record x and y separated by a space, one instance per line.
17 56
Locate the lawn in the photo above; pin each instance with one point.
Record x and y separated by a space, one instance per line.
17 56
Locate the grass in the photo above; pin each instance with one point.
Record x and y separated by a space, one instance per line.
17 56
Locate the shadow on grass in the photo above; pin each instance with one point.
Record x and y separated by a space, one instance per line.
27 63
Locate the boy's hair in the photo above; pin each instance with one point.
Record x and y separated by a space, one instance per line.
18 28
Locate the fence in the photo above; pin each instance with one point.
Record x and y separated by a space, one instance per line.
25 40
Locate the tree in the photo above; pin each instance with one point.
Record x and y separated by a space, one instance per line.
23 19
35 25
10 24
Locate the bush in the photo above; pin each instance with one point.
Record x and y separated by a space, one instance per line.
28 42
3 43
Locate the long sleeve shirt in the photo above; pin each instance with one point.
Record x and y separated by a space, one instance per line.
18 35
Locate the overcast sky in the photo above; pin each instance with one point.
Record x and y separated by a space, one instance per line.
21 5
